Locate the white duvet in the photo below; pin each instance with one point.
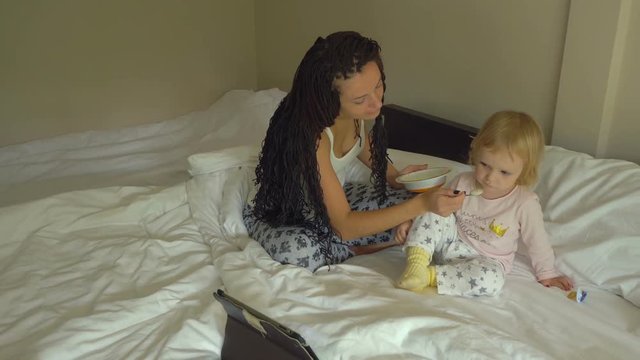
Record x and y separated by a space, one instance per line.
128 272
352 310
113 273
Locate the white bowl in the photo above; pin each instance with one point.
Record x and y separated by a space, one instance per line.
423 180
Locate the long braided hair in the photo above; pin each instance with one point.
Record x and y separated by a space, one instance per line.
287 174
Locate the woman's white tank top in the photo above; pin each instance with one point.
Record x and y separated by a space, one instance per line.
340 165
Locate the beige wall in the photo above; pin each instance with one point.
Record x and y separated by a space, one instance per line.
73 65
597 110
461 60
624 135
572 64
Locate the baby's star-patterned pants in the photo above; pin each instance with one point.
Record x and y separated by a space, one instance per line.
460 270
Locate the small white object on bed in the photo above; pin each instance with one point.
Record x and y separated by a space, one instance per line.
128 271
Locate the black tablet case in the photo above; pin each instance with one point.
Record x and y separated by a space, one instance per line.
244 341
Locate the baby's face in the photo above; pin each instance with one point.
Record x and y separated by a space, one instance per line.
497 171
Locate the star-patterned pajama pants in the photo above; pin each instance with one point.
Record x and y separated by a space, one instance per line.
294 245
460 270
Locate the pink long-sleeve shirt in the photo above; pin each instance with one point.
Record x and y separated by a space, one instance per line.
493 227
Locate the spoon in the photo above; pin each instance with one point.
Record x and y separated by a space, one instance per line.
474 192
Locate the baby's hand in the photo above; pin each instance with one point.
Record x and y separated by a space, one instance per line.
561 282
402 231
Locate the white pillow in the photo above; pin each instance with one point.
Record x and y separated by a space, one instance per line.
591 210
215 161
218 190
240 117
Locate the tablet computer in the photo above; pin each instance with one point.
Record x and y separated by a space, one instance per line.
250 334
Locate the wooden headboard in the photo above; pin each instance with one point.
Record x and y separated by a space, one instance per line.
413 131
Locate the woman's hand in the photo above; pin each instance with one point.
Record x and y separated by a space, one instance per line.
561 282
402 231
443 202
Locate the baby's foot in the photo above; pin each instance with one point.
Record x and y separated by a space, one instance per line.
412 279
416 275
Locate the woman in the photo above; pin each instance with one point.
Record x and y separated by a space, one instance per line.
302 214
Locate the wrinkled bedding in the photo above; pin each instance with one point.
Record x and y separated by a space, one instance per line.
100 257
117 256
111 273
352 310
152 154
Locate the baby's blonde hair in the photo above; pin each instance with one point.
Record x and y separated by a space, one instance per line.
519 134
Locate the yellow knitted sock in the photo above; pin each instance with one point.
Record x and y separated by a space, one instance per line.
433 282
415 276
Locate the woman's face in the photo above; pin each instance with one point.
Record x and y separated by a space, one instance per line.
361 94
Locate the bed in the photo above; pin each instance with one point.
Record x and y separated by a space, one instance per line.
114 241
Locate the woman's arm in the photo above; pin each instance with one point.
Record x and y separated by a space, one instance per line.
355 224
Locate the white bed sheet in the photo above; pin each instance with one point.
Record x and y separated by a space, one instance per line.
112 273
353 311
127 271
100 257
153 154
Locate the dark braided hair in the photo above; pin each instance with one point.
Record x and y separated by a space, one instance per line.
287 174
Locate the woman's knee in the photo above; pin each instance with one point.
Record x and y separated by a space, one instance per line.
290 246
295 245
